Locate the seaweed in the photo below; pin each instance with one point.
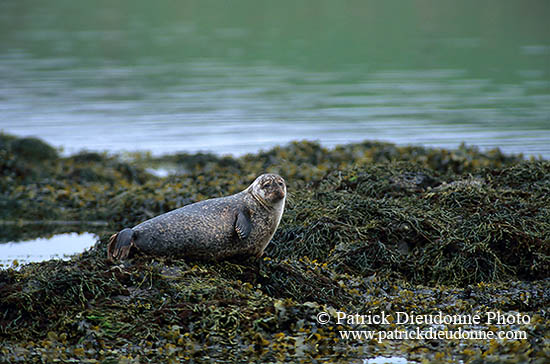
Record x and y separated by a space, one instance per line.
368 227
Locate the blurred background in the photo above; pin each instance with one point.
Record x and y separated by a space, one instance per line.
240 76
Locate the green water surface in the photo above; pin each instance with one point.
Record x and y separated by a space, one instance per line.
239 76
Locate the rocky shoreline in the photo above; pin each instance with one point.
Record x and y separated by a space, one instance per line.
369 228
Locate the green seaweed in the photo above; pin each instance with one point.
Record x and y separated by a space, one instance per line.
368 227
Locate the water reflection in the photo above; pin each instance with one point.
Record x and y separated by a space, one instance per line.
386 360
235 79
240 113
59 246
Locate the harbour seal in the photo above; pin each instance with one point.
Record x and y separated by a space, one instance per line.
238 225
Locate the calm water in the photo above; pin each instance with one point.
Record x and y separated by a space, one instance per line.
59 246
238 76
386 360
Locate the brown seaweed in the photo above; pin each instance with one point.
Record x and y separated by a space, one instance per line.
368 227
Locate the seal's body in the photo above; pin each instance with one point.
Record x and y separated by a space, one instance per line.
238 225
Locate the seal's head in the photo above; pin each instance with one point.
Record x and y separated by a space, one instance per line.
269 189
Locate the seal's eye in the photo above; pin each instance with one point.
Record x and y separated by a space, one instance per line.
280 183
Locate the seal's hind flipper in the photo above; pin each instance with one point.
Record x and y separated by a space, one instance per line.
120 245
243 226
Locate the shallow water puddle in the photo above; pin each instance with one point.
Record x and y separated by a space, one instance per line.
59 246
162 171
386 360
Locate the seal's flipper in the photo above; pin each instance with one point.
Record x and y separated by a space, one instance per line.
120 245
243 226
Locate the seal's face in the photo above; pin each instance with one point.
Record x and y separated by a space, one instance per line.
270 188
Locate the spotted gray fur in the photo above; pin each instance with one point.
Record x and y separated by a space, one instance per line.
238 225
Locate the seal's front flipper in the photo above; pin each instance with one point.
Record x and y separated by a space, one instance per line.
243 226
120 245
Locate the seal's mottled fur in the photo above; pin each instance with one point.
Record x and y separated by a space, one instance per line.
238 225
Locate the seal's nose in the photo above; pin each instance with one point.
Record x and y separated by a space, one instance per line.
280 192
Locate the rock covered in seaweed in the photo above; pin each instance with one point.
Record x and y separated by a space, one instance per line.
368 227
